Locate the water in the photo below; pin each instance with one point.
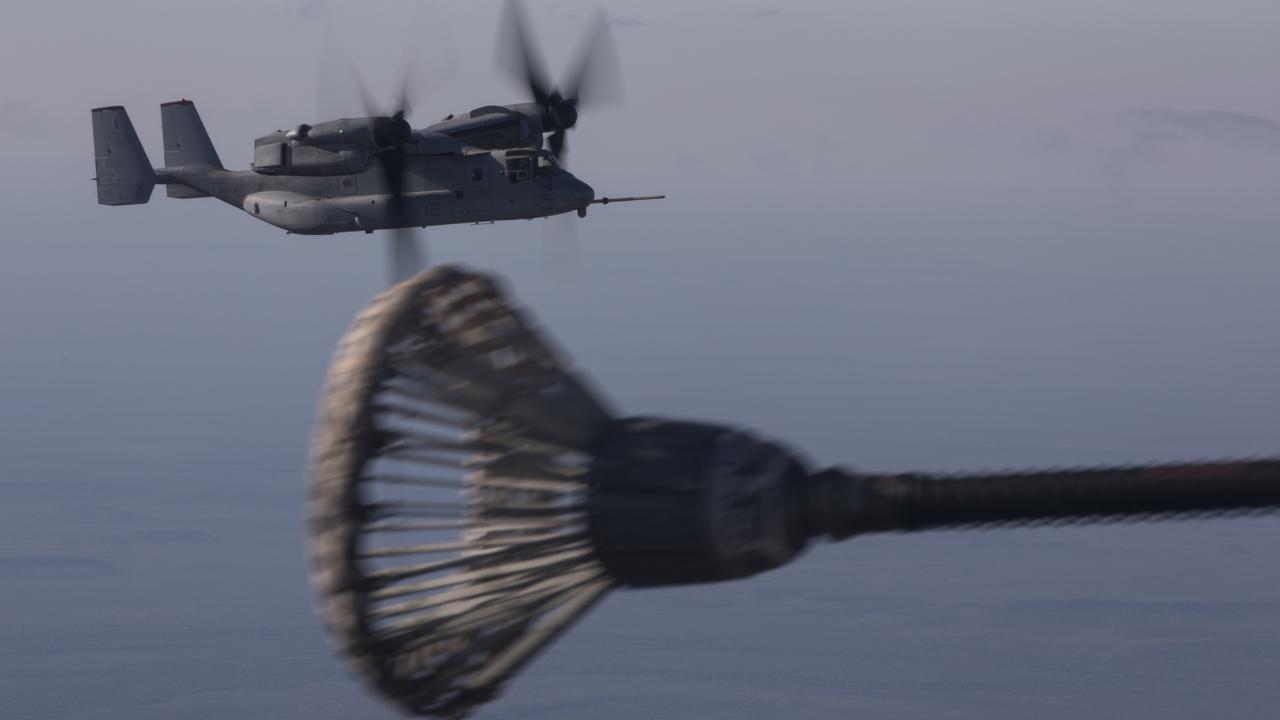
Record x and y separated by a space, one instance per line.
161 365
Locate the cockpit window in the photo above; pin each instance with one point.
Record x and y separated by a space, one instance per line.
545 164
517 169
539 164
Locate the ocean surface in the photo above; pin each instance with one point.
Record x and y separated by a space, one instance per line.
160 367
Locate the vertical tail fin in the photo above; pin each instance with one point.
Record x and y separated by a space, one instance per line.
124 176
185 143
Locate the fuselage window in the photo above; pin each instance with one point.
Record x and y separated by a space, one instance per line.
477 174
346 182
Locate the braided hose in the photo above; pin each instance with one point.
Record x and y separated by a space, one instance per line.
847 504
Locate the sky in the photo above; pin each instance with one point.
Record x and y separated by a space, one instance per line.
912 235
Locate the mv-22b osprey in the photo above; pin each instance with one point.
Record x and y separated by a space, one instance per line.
377 172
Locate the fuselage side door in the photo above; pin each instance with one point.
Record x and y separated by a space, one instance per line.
477 187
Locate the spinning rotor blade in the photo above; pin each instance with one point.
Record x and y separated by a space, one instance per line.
429 62
519 54
593 77
557 143
404 255
561 252
340 89
404 251
419 77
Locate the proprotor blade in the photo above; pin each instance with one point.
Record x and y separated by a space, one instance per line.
561 250
558 145
338 79
519 54
595 76
429 62
392 132
404 255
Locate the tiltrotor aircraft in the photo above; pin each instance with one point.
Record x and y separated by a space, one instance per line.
378 172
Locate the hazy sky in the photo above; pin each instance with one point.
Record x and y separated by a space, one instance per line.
901 235
836 101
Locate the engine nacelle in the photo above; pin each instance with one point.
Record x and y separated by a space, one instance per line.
495 127
335 147
343 147
277 154
366 132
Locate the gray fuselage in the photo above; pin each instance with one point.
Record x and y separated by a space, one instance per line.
439 189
